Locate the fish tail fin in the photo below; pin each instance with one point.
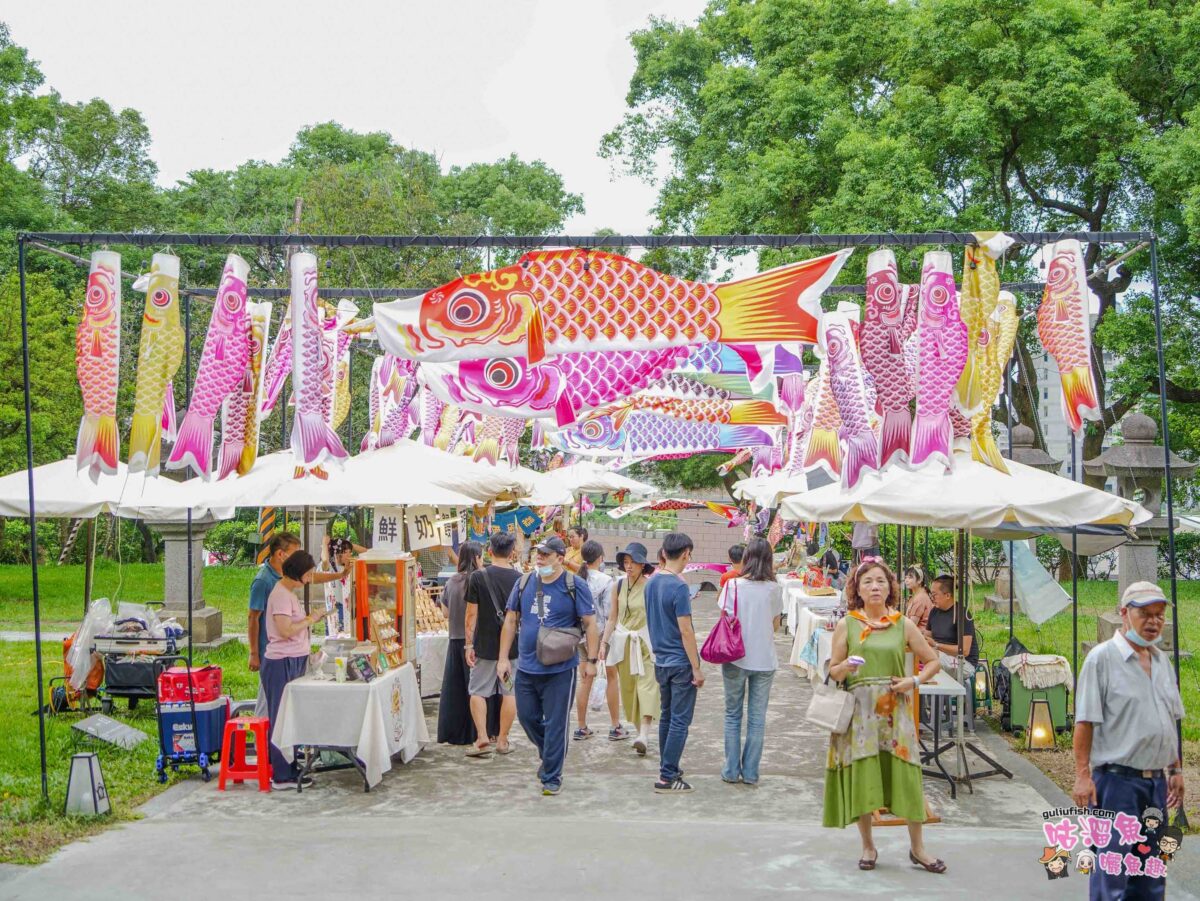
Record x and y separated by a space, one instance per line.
145 443
754 412
983 446
193 447
249 456
488 449
313 440
823 451
1079 397
170 427
781 304
895 434
862 453
231 457
968 393
742 436
96 448
564 411
931 435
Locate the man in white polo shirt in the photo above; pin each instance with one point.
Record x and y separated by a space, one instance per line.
1126 745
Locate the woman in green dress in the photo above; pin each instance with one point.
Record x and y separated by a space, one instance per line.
876 762
626 647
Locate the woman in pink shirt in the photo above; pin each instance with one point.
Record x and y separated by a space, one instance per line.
919 601
288 645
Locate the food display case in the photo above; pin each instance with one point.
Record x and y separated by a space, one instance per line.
386 584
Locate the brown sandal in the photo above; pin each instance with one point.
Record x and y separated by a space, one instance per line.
864 864
936 867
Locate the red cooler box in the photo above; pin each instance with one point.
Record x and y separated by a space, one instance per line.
204 684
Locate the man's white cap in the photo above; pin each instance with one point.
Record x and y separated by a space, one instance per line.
1142 594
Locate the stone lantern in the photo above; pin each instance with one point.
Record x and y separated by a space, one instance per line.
1022 451
1140 471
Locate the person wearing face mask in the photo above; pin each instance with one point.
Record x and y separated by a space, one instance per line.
1125 741
876 762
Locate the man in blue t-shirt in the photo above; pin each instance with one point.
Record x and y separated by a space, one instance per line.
554 598
676 659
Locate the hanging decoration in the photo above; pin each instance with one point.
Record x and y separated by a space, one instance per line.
890 320
726 511
727 412
647 434
796 401
239 411
432 409
562 301
339 375
860 443
1064 328
279 363
563 387
1002 335
160 351
222 369
822 450
980 294
397 419
313 441
496 437
97 359
942 353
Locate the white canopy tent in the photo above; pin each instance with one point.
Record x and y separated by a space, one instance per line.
588 477
61 491
970 496
766 491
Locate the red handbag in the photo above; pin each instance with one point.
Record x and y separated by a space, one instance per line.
724 643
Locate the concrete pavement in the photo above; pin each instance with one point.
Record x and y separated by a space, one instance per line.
448 827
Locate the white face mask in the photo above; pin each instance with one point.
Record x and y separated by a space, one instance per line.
1136 639
546 570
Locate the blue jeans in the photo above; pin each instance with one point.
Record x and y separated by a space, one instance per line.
678 704
1120 793
274 676
544 709
742 761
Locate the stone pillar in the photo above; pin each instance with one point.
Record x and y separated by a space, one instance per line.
206 620
318 525
1137 561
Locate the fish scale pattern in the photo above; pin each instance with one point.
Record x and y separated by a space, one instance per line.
592 379
584 297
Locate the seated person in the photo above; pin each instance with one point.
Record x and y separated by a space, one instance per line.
831 563
943 628
735 563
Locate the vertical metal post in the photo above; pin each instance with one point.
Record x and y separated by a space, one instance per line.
187 394
1181 819
89 563
33 542
1008 416
1075 468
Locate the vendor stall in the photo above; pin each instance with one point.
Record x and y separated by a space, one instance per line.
367 723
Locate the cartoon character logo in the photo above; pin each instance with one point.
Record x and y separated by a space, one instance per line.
1085 861
1169 842
1056 860
1152 819
481 308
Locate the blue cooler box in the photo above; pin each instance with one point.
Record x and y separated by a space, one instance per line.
175 736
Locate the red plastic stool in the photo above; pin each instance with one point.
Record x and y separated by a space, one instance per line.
233 752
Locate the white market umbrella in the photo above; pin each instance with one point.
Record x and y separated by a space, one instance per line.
589 477
766 491
387 476
970 496
62 491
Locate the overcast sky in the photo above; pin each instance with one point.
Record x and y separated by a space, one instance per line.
222 82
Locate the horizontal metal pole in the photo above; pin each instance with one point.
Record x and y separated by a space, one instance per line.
530 242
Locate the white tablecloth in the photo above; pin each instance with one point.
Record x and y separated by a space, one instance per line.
808 623
432 648
378 719
797 598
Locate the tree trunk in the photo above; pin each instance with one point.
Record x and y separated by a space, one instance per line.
149 542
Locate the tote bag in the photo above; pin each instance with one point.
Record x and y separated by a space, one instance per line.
724 643
831 708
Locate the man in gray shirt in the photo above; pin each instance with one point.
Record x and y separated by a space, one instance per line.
1126 747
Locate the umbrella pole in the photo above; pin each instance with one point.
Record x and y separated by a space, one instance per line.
89 563
187 387
307 586
1180 817
1008 418
1075 475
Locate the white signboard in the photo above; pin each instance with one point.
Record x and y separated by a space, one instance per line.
425 528
385 536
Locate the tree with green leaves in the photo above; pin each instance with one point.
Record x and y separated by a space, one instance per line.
798 116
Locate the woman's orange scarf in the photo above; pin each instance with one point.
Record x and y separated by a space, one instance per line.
888 621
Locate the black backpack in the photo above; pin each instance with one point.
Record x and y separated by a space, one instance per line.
1002 681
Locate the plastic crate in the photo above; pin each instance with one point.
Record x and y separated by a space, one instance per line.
175 735
202 684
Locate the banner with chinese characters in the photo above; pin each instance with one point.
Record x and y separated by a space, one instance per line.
385 535
426 528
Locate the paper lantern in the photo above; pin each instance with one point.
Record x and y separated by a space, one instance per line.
983 683
1040 729
86 794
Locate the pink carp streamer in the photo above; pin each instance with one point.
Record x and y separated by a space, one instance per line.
97 355
942 349
313 441
890 320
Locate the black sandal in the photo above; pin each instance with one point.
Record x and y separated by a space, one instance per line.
864 864
936 867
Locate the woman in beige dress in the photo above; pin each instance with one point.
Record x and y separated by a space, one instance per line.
626 646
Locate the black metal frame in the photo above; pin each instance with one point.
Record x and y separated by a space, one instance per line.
529 242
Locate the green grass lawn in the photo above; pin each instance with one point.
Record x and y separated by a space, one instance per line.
61 592
29 829
1054 636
